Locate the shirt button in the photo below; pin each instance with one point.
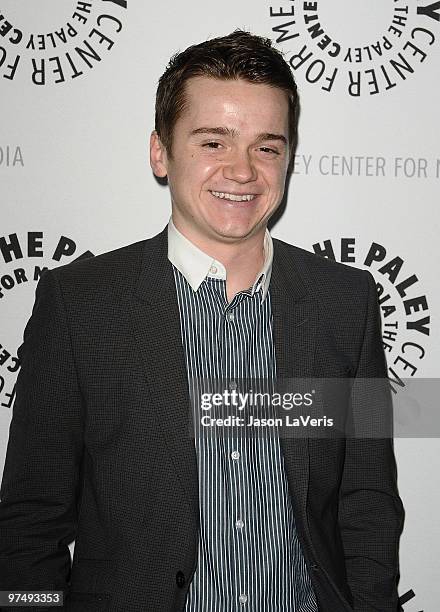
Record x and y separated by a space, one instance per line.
239 524
231 316
232 384
235 455
243 598
214 269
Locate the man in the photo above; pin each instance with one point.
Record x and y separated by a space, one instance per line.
100 450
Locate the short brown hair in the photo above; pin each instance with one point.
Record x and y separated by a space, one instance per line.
238 55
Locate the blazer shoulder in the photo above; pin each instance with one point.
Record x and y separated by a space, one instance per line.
115 270
319 273
346 297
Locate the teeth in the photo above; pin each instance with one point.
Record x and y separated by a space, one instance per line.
234 198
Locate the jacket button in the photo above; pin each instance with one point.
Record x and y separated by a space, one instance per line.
315 567
180 579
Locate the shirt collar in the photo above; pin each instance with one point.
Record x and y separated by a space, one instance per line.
196 265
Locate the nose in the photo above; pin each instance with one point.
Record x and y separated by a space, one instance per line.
239 167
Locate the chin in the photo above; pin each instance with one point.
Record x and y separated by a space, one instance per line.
234 231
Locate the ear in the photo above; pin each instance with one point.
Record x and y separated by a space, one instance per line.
158 156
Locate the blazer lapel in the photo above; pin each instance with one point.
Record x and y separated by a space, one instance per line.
156 326
295 316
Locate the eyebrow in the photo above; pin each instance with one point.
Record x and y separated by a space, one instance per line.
224 131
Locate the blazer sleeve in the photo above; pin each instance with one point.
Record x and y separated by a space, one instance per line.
370 509
39 489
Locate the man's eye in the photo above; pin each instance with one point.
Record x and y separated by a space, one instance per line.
212 145
269 150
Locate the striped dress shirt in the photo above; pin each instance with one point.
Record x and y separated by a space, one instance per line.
249 555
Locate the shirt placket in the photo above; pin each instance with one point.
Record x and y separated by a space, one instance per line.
235 447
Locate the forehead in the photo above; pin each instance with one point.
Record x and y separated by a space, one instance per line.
234 103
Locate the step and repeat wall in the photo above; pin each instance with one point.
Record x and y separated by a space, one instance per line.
77 87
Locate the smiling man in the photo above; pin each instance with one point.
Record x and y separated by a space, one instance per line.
100 450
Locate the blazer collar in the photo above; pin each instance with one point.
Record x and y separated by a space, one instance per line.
155 283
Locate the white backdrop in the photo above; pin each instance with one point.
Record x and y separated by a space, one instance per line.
77 85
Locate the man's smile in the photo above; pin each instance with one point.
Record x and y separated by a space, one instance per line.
234 196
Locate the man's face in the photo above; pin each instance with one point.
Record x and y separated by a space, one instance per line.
229 161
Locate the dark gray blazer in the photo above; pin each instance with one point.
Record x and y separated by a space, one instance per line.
99 449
